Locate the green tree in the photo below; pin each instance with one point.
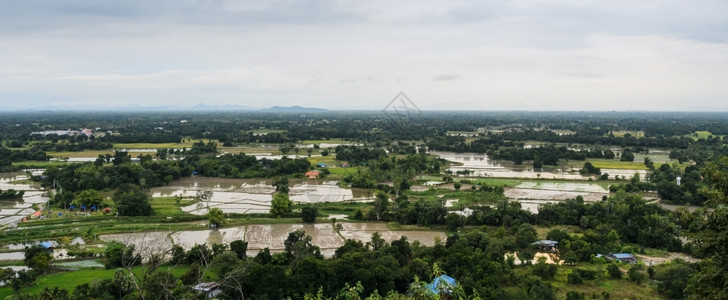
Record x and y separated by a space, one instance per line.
239 247
574 278
132 201
711 237
216 218
281 205
455 221
281 184
636 273
38 258
309 213
627 155
672 279
224 263
614 271
88 198
120 255
160 284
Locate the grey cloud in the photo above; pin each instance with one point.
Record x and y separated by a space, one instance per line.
23 16
447 77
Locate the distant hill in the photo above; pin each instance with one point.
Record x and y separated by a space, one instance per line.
295 108
226 107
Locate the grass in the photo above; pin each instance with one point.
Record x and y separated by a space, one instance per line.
69 280
542 231
702 134
341 208
187 144
622 133
331 141
615 164
259 131
617 288
85 153
39 164
165 206
343 171
249 150
329 160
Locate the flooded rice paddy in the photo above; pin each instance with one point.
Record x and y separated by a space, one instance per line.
531 195
482 166
271 236
14 210
248 196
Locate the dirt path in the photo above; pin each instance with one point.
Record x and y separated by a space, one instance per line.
654 260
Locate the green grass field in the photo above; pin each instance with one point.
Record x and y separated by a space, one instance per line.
636 134
331 141
186 144
85 153
343 171
259 131
69 280
616 164
165 206
617 289
329 160
40 164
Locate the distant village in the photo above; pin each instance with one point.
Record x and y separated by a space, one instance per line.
85 131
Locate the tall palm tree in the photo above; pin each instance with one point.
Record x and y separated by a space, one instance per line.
216 217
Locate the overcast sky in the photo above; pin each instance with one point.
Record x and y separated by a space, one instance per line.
455 55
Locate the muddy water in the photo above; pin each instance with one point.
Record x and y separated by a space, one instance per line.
145 243
247 196
187 239
482 166
532 195
316 193
363 232
13 211
271 236
625 173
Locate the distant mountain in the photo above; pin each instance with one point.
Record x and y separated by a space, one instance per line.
226 107
295 108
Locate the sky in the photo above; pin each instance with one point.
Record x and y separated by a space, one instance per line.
580 55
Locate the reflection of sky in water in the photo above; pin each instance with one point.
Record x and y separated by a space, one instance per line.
250 195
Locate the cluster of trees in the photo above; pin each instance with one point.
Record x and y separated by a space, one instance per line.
630 216
479 262
546 155
11 194
75 144
8 156
241 165
670 130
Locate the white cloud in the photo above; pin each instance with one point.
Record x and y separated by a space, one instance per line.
583 55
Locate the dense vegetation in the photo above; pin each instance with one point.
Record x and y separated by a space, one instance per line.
387 158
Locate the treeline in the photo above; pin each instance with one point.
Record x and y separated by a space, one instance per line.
11 194
632 218
247 166
101 175
8 156
548 155
493 142
666 130
75 145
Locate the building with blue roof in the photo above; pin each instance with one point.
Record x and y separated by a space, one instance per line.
442 284
623 257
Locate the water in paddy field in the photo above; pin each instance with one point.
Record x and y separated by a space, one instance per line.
248 196
481 165
272 236
14 210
